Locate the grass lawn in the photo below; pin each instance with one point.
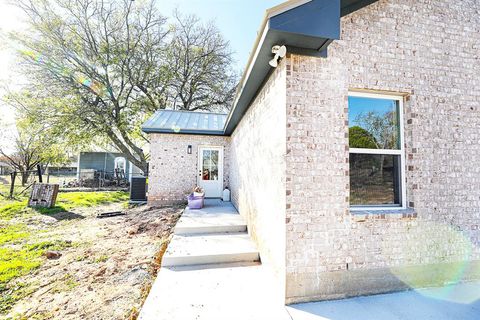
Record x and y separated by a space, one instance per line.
65 202
22 247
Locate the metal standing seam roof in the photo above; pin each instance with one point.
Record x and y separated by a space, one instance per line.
172 121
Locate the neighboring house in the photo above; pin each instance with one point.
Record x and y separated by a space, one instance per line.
68 168
106 162
4 168
355 160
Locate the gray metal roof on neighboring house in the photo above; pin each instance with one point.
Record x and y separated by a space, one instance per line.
171 121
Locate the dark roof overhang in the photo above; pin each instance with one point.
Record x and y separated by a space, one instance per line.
305 27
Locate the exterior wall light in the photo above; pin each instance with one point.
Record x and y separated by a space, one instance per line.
189 149
280 52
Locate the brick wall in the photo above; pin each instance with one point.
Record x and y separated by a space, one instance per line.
430 50
257 172
289 169
317 171
173 172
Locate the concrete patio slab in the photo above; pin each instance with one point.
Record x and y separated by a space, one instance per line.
212 206
447 303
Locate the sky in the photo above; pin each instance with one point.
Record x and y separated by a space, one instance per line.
237 20
9 21
362 105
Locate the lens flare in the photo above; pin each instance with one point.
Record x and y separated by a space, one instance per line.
436 256
35 56
95 86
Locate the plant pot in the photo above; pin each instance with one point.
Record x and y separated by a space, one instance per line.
195 202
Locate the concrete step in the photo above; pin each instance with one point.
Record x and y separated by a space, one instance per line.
210 249
210 223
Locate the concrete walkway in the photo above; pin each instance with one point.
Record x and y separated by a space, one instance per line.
211 271
228 293
460 302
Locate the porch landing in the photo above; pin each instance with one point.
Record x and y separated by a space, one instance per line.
216 217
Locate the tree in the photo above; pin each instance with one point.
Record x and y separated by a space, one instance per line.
108 65
361 138
32 147
383 128
199 58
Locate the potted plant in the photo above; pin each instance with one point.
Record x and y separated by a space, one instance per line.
196 198
198 192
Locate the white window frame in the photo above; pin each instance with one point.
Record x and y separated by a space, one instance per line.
400 152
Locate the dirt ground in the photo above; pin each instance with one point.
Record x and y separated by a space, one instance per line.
106 271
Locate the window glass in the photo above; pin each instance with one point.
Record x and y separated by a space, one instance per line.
373 123
374 179
210 165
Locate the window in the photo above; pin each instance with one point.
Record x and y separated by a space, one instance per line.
376 151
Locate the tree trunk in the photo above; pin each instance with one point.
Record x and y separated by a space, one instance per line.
141 164
24 178
131 155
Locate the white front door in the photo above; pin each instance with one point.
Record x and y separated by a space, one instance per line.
210 171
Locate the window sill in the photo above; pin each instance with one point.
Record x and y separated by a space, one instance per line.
382 213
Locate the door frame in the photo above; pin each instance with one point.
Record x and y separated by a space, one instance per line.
220 166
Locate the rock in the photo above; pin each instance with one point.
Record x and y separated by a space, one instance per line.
52 254
135 276
111 268
71 309
132 230
101 271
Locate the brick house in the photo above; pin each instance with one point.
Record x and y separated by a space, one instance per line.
355 160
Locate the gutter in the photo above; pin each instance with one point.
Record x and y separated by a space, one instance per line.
183 131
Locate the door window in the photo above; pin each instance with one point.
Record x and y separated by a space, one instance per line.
210 165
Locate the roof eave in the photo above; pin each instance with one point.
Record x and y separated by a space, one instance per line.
305 27
298 29
190 132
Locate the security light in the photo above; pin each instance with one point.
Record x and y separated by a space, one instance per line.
280 52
